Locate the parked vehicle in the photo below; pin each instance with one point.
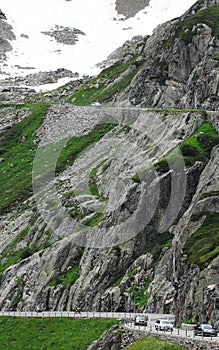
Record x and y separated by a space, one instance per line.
141 320
163 325
96 104
205 330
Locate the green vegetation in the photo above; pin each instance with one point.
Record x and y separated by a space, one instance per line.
70 275
161 241
50 333
96 88
13 253
198 146
185 29
18 147
202 246
119 86
216 56
139 295
136 178
132 273
78 144
93 172
92 183
118 281
94 220
10 255
95 192
67 278
209 194
151 343
17 150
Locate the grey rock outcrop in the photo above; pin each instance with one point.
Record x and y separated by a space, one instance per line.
64 35
116 338
181 68
2 15
129 9
36 79
6 35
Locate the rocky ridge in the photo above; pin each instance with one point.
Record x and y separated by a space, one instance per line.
181 69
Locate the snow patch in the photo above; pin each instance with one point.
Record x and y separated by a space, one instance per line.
103 26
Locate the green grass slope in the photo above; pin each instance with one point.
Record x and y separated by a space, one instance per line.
152 343
50 333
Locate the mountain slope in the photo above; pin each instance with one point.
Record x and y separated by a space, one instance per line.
128 217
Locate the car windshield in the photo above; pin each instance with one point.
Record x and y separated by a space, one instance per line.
166 322
141 318
207 326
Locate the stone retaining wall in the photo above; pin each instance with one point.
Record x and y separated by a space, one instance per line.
194 344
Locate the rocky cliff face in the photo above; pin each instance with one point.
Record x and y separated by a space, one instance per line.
5 36
130 219
181 63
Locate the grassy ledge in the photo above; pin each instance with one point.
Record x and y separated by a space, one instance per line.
139 295
96 89
152 343
78 144
17 150
51 333
202 246
197 147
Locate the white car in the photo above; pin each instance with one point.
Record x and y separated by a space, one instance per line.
163 325
141 320
96 104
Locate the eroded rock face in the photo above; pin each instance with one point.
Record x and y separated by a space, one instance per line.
117 258
116 338
193 288
181 69
6 34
